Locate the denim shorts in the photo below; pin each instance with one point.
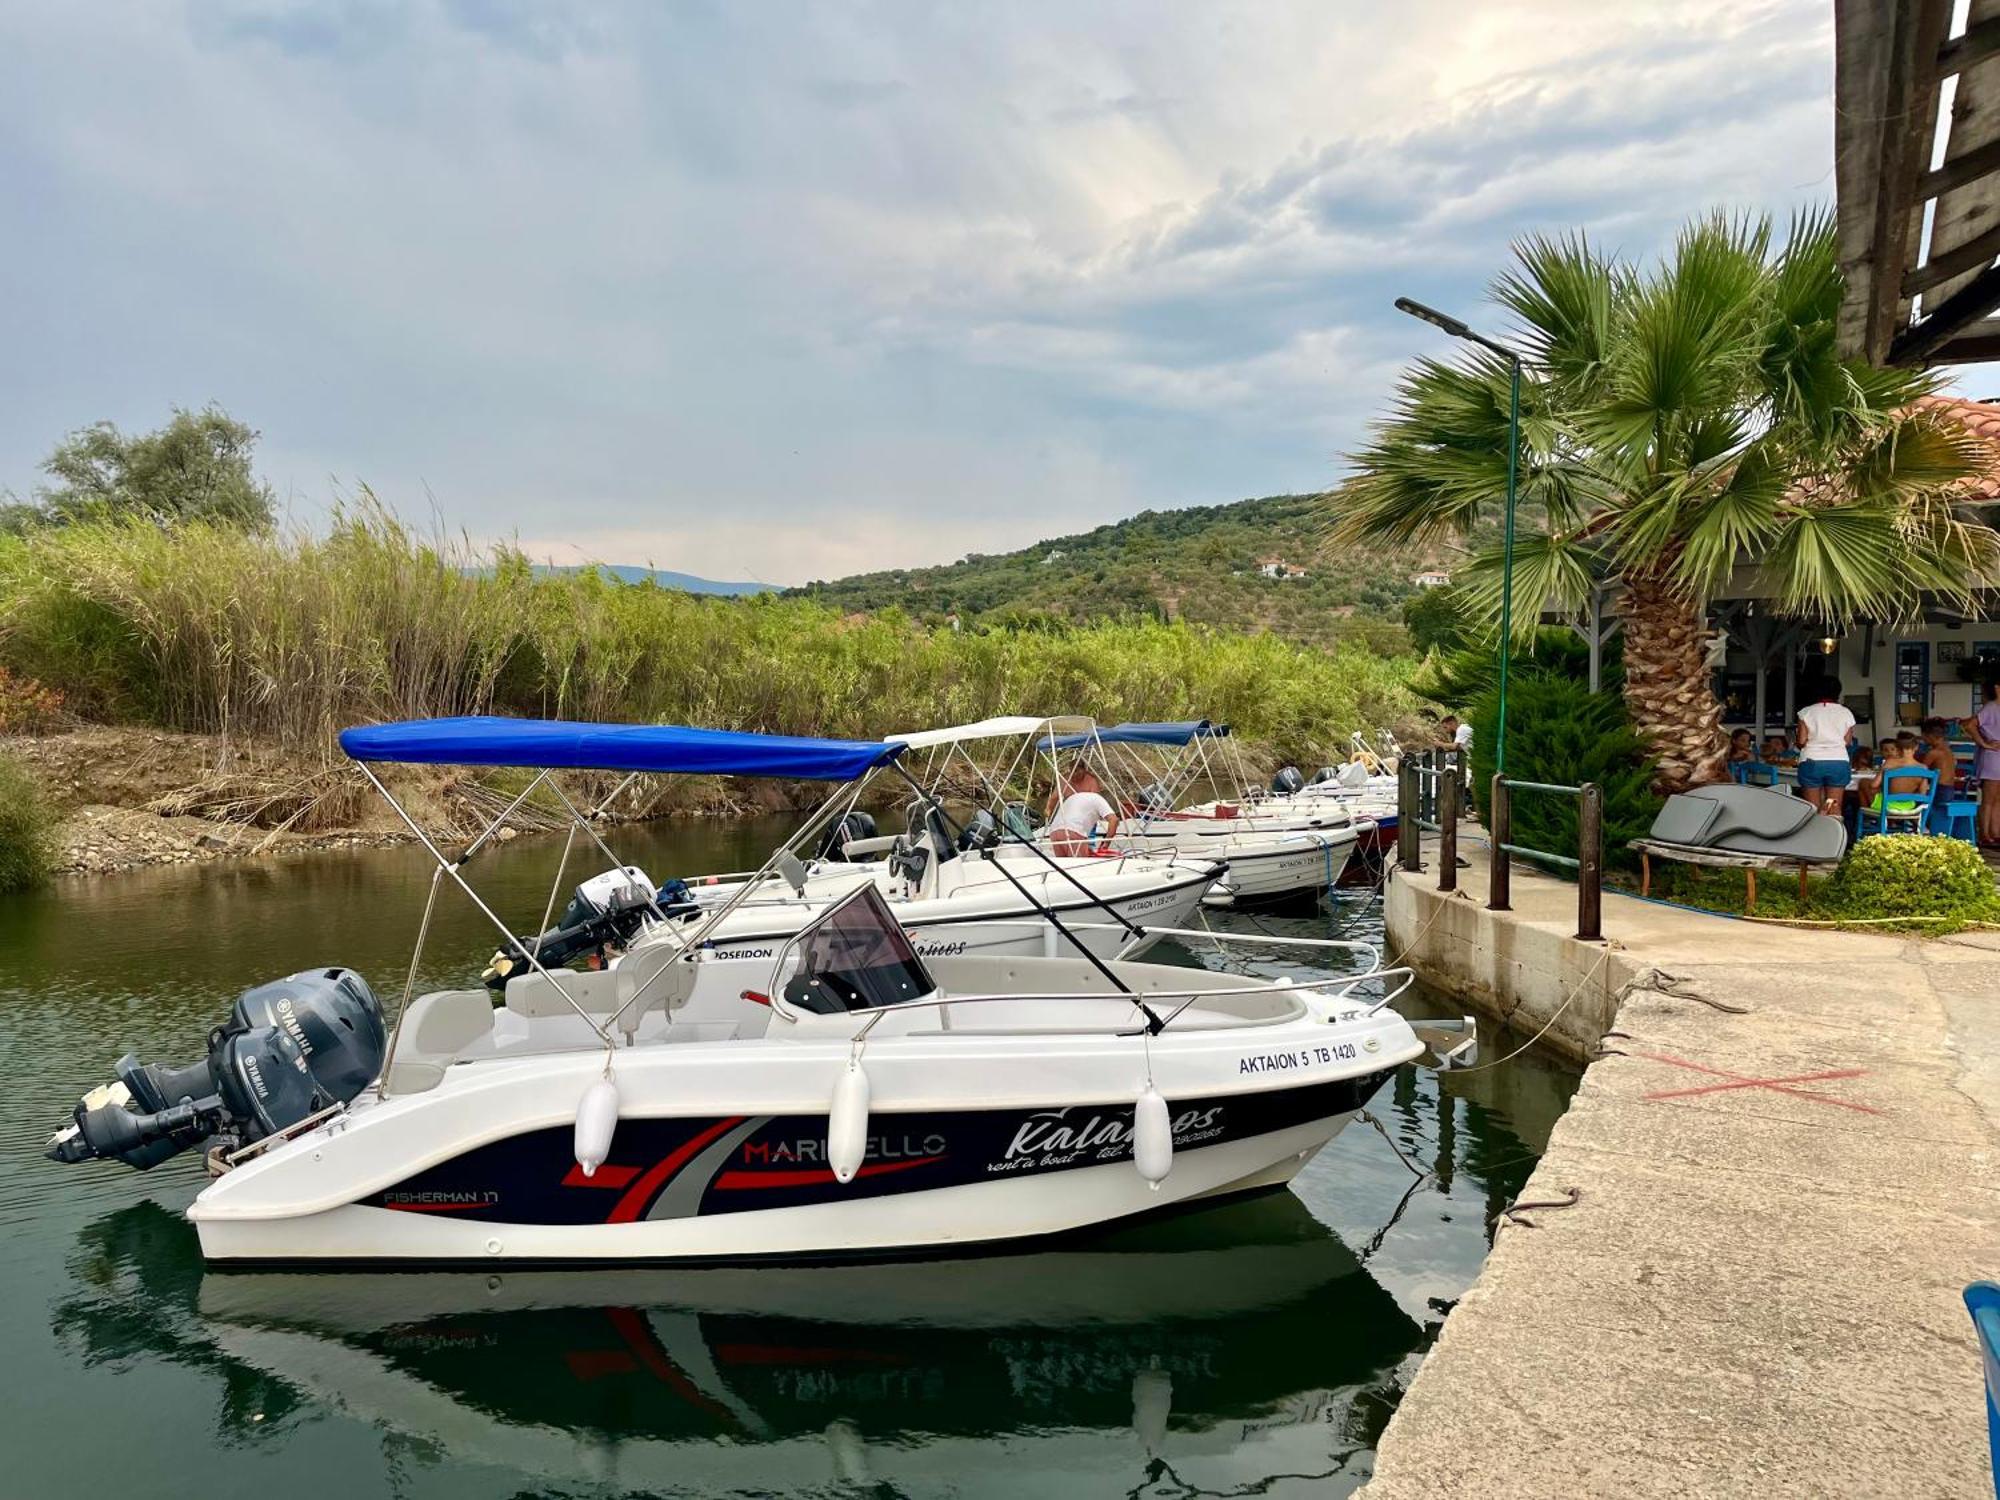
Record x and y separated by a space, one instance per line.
1824 773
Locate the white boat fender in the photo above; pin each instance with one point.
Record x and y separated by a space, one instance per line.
847 1122
596 1119
1152 1137
1152 1405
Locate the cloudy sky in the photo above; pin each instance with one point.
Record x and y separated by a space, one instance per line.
788 290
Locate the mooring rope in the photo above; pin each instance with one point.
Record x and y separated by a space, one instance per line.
1603 958
1511 1214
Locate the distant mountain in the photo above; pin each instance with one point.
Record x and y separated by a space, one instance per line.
1253 565
687 583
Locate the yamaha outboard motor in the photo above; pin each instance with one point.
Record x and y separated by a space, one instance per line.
1287 781
603 916
856 825
289 1049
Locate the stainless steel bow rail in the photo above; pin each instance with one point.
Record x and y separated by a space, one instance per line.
1429 789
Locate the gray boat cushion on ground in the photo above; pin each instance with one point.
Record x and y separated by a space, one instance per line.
1750 820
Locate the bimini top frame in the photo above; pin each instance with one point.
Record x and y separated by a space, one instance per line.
1126 772
546 746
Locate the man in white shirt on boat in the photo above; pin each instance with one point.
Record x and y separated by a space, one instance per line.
1076 817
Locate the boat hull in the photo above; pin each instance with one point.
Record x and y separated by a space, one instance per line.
726 1188
1297 870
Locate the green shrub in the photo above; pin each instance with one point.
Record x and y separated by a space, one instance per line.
27 828
1559 731
1911 875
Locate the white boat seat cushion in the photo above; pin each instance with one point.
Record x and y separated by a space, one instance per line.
436 1030
535 995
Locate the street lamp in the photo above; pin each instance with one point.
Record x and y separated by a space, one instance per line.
1458 329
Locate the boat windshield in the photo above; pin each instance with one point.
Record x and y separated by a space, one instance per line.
857 957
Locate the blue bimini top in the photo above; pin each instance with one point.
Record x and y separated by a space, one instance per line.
1180 733
548 744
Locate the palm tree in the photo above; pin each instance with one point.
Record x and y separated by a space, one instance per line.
1677 421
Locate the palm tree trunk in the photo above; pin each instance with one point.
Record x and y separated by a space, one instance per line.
1668 686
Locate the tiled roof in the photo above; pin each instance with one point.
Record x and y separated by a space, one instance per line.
1983 419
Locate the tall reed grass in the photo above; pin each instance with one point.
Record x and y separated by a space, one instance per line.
292 637
27 823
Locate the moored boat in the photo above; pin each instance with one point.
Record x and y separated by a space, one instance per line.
842 1096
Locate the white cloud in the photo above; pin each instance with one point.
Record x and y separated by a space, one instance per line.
827 286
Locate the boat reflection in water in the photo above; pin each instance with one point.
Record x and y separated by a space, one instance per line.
1125 1357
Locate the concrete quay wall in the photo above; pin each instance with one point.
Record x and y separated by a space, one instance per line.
1523 967
1785 1172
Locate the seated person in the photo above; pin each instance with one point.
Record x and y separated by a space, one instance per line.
1776 752
1075 818
1742 747
1899 754
1935 752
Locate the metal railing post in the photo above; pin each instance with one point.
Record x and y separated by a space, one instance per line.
1409 849
1590 864
1499 893
1447 819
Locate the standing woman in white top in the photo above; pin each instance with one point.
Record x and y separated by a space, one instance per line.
1077 816
1823 732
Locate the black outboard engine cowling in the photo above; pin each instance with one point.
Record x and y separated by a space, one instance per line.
1287 781
603 916
289 1049
856 825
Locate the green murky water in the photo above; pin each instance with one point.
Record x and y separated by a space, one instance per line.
1255 1348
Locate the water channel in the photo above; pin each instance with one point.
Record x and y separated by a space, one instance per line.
1255 1348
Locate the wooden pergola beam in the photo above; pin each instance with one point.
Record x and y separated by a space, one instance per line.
1966 349
1887 55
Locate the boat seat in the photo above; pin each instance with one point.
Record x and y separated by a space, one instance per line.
435 1030
535 996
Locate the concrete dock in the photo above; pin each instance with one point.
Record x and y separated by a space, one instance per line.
1757 1291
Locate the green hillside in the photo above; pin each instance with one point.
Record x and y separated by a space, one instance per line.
1201 565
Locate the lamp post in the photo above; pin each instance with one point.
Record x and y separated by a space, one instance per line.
1459 330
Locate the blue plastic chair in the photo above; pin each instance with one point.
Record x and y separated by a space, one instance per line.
1912 809
1956 819
1748 771
1982 1300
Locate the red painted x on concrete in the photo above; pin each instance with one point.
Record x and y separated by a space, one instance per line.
1775 1085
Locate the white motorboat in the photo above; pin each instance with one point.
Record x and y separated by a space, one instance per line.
1361 790
959 888
1273 856
961 892
843 1096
